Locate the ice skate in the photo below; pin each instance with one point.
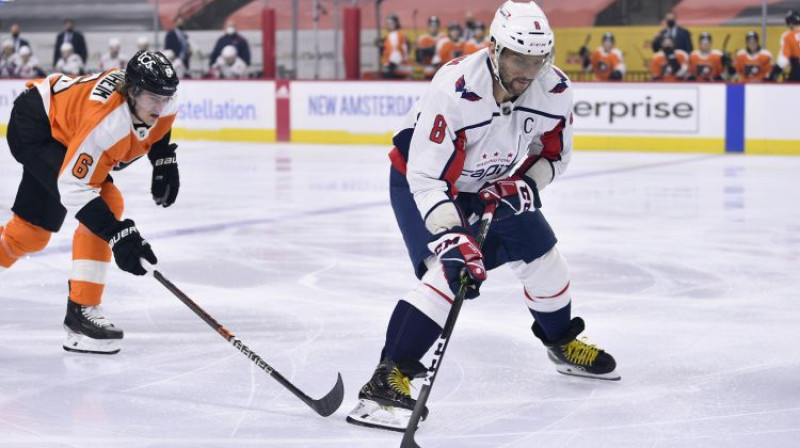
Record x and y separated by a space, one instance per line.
88 331
385 401
575 357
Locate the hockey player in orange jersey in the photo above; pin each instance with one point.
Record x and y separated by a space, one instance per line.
754 63
606 62
789 53
68 134
426 47
478 41
669 64
450 48
395 50
705 63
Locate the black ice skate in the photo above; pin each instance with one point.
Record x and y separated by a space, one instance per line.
88 331
385 401
575 357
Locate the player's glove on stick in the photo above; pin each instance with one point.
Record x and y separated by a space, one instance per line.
166 180
515 195
128 247
458 252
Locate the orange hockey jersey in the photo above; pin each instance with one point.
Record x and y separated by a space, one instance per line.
426 48
447 50
94 122
753 67
604 63
789 54
395 49
472 46
706 67
662 71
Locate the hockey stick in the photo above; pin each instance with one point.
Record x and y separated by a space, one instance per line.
444 339
325 406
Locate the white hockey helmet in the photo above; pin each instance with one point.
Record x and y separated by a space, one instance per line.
522 28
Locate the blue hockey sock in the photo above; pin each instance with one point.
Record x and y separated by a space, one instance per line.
410 334
554 324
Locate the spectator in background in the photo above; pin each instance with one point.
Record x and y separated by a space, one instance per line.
681 37
178 41
426 47
27 65
669 64
229 65
231 37
789 53
705 64
450 48
177 63
17 41
113 58
142 43
394 56
8 59
478 41
70 36
70 63
753 64
469 26
606 62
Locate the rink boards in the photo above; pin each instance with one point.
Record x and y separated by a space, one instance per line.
662 117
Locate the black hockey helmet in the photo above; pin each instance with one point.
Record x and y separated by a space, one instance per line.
608 35
434 20
455 26
152 71
751 35
480 25
705 35
792 18
395 19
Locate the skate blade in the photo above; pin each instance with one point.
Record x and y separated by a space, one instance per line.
373 415
571 371
79 343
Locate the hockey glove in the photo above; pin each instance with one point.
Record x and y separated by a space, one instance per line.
458 252
515 195
166 180
616 75
674 63
128 247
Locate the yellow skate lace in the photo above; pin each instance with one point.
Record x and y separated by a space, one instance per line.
399 382
581 353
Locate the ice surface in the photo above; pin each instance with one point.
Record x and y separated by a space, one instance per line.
685 267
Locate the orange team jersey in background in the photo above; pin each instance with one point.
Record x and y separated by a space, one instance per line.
94 122
755 67
426 48
472 46
448 50
789 54
706 67
604 63
661 70
395 48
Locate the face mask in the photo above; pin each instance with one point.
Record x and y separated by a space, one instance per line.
670 23
230 30
15 35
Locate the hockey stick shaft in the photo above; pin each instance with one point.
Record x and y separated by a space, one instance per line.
444 339
324 406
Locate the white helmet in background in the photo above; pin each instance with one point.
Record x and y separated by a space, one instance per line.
522 28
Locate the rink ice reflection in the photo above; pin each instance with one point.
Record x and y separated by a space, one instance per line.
685 267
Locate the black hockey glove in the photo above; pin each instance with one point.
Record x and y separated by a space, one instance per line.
458 252
166 180
128 247
514 195
616 75
674 63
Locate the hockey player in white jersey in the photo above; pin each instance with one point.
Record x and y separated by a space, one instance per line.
498 120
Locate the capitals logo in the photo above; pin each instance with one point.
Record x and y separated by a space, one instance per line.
461 86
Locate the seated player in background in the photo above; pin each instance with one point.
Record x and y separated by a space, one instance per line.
451 47
27 65
177 63
113 58
606 62
70 63
669 64
68 134
789 53
498 121
426 47
706 63
753 64
228 65
8 59
478 41
394 55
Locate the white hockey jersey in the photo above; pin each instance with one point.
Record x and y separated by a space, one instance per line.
458 139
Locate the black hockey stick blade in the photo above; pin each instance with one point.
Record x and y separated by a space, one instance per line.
328 404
